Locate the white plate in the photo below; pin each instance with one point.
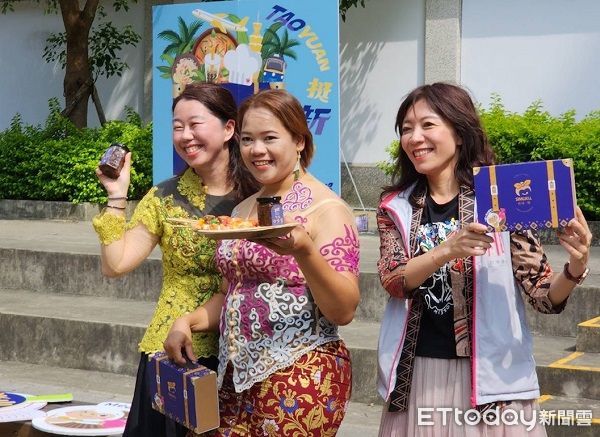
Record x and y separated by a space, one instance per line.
83 420
235 234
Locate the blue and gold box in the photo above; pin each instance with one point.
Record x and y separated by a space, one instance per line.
187 394
528 195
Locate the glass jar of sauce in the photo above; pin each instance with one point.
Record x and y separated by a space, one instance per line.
269 211
113 160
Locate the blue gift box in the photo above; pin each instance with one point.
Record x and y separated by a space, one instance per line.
528 195
187 394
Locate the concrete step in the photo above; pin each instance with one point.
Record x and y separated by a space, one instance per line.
63 257
92 387
588 336
11 209
73 272
76 274
86 385
79 237
583 304
101 334
575 375
566 417
98 333
92 333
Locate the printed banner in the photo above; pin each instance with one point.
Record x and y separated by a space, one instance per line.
247 46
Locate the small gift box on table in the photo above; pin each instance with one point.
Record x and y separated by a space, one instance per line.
187 394
528 195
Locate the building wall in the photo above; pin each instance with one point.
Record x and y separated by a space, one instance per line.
27 81
535 49
539 49
381 60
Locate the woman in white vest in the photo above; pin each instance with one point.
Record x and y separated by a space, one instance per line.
454 338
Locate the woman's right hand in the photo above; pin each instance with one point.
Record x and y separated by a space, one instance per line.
179 342
117 187
471 240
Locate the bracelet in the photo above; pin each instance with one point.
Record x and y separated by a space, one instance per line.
435 262
122 208
117 198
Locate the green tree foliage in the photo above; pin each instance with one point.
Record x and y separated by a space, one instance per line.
105 41
57 161
347 4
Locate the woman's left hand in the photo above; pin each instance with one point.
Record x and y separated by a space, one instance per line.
576 238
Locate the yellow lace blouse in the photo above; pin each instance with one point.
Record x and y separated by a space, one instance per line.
190 277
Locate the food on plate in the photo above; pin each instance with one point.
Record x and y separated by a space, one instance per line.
224 222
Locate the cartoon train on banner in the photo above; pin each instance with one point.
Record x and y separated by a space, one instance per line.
225 54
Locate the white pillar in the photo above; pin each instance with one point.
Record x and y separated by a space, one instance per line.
442 40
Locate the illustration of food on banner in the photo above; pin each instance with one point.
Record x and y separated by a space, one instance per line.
228 53
247 47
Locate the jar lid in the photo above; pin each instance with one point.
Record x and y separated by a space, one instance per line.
268 199
122 146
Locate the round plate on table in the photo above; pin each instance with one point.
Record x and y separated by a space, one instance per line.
83 420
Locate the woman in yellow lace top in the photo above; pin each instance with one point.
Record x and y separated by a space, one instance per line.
206 137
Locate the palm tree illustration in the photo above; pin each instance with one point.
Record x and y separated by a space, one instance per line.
179 43
274 45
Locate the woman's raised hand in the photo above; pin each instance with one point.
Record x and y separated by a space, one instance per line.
179 342
471 240
576 238
117 187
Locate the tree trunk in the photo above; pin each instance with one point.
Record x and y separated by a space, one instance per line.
98 105
77 73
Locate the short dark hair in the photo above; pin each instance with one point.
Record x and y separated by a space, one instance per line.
289 111
221 104
455 106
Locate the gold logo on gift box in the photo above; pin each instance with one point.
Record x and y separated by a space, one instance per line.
171 386
523 188
523 195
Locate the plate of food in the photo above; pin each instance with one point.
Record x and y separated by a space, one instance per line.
225 227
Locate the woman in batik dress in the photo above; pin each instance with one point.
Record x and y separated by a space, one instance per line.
283 368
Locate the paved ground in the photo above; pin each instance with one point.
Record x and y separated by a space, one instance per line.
362 420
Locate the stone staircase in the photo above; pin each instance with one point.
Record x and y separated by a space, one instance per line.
65 327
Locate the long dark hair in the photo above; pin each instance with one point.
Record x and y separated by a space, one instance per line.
288 110
221 104
454 105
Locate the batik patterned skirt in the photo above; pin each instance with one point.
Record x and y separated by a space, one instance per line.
308 398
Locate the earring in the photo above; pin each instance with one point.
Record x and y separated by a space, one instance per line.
297 168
